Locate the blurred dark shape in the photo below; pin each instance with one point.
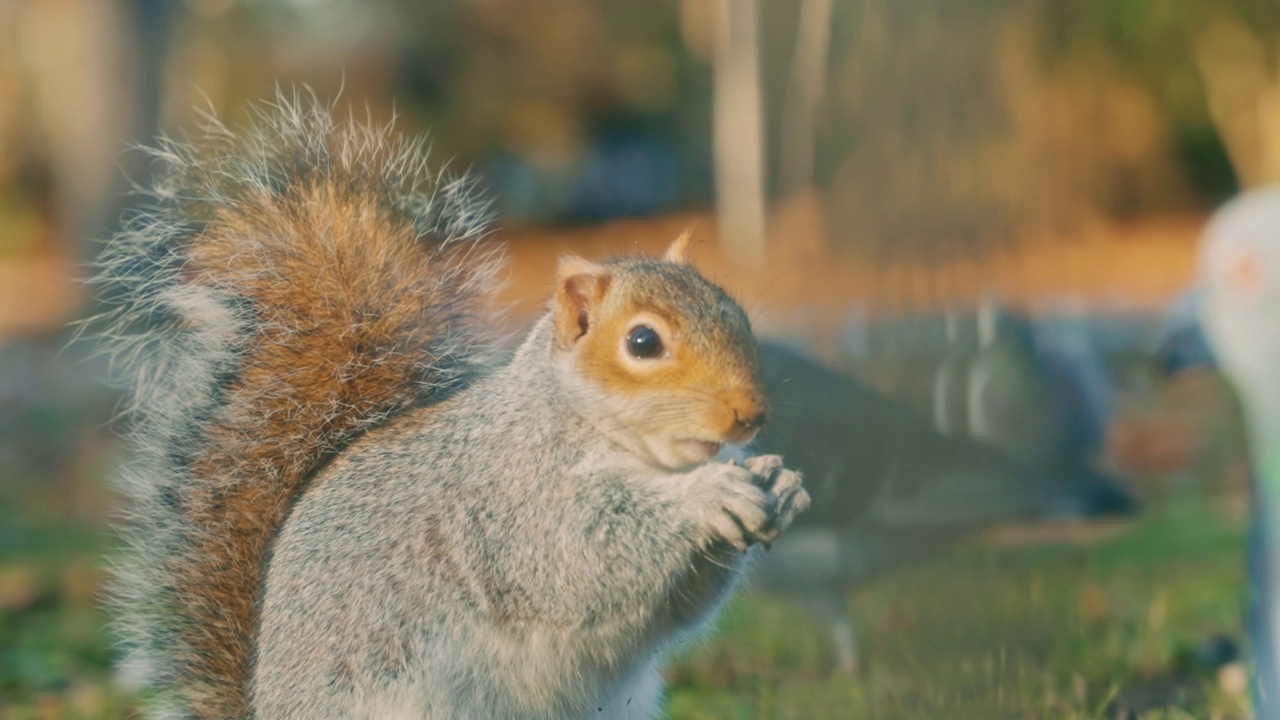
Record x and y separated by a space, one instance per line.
623 175
1185 349
627 176
1083 381
888 490
1217 650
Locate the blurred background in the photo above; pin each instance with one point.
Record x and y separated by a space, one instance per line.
996 200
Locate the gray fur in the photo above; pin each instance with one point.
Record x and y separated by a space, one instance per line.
496 556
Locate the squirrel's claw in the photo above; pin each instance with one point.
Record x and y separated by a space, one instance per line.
796 502
758 501
787 496
765 467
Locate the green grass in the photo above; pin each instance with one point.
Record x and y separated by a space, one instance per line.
55 654
1046 631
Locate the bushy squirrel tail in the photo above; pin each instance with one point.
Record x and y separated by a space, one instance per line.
285 289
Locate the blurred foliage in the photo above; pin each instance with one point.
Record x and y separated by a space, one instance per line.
943 128
1214 65
932 125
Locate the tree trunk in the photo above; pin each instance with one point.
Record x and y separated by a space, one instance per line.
808 81
738 134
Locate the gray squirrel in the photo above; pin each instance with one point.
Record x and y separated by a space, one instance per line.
344 506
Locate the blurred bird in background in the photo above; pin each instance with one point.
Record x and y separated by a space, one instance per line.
1039 390
1010 403
889 490
1240 311
951 382
1227 325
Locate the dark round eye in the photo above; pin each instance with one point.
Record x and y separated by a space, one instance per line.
643 342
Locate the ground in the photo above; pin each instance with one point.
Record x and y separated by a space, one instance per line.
1042 631
1108 628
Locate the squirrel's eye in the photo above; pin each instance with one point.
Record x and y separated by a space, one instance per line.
643 342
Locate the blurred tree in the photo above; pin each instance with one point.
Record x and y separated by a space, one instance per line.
916 117
573 109
82 89
738 132
1237 52
948 136
806 90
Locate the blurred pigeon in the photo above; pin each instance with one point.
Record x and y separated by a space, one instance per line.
1081 381
1239 273
888 490
1044 394
951 380
1009 395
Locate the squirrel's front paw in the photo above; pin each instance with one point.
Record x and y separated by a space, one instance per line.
784 486
752 503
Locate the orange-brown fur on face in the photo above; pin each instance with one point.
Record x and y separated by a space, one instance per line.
706 388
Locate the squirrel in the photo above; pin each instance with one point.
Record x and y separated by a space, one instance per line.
344 504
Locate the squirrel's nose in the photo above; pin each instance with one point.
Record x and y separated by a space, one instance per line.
752 419
750 410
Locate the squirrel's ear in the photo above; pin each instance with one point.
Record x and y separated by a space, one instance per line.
580 286
679 250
